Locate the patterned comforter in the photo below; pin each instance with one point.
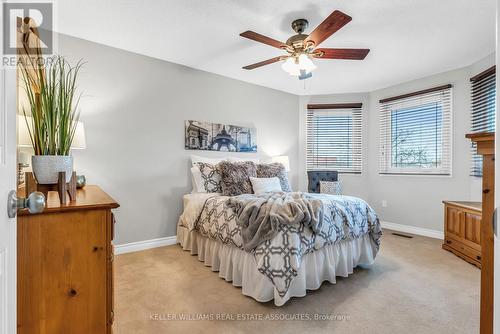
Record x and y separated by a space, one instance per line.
345 218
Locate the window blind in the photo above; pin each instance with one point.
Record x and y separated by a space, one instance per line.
415 132
334 137
483 111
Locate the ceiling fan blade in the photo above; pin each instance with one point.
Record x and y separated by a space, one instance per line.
263 39
329 26
353 54
262 63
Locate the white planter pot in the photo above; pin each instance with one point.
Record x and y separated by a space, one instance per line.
47 167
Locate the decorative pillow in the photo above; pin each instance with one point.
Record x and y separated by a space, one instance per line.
210 178
330 187
275 169
236 177
265 184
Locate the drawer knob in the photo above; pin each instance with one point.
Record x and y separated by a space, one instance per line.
478 257
72 292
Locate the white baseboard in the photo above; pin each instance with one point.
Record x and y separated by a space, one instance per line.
413 230
145 244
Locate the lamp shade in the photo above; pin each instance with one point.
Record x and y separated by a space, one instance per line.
79 142
282 159
24 140
23 136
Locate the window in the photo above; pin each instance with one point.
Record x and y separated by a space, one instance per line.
483 95
334 137
415 133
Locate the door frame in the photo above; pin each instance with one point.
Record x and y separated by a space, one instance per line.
8 157
8 112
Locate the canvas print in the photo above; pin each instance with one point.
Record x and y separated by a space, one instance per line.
219 137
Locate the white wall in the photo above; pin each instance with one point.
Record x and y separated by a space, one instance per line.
134 109
411 200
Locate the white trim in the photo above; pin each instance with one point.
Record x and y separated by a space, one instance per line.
3 291
413 230
145 244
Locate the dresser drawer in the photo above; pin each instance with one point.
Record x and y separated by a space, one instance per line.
458 248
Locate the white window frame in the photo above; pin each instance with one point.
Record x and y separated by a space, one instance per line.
414 101
354 110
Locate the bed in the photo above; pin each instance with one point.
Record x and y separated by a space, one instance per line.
298 258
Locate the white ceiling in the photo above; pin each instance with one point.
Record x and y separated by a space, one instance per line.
408 39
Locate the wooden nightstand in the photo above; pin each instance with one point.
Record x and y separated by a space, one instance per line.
65 265
462 230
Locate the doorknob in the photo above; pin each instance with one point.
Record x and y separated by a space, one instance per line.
35 203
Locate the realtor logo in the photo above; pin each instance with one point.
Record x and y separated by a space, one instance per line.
40 23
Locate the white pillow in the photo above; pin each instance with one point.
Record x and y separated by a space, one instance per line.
236 159
213 161
196 180
265 184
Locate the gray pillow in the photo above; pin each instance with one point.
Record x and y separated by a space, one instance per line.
275 169
236 177
211 177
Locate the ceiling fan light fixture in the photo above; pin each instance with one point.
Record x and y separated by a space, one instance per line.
305 63
296 66
291 66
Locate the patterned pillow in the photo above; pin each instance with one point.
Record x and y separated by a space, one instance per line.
275 169
330 187
236 177
211 178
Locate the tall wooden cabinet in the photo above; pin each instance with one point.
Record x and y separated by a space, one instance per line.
486 147
65 265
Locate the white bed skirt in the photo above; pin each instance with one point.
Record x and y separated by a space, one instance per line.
239 267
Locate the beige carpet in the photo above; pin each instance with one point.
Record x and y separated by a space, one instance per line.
413 287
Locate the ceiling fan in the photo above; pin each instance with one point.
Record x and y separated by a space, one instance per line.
302 48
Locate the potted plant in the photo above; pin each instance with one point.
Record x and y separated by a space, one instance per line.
52 116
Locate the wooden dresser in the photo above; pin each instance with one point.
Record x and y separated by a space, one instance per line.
462 230
65 265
